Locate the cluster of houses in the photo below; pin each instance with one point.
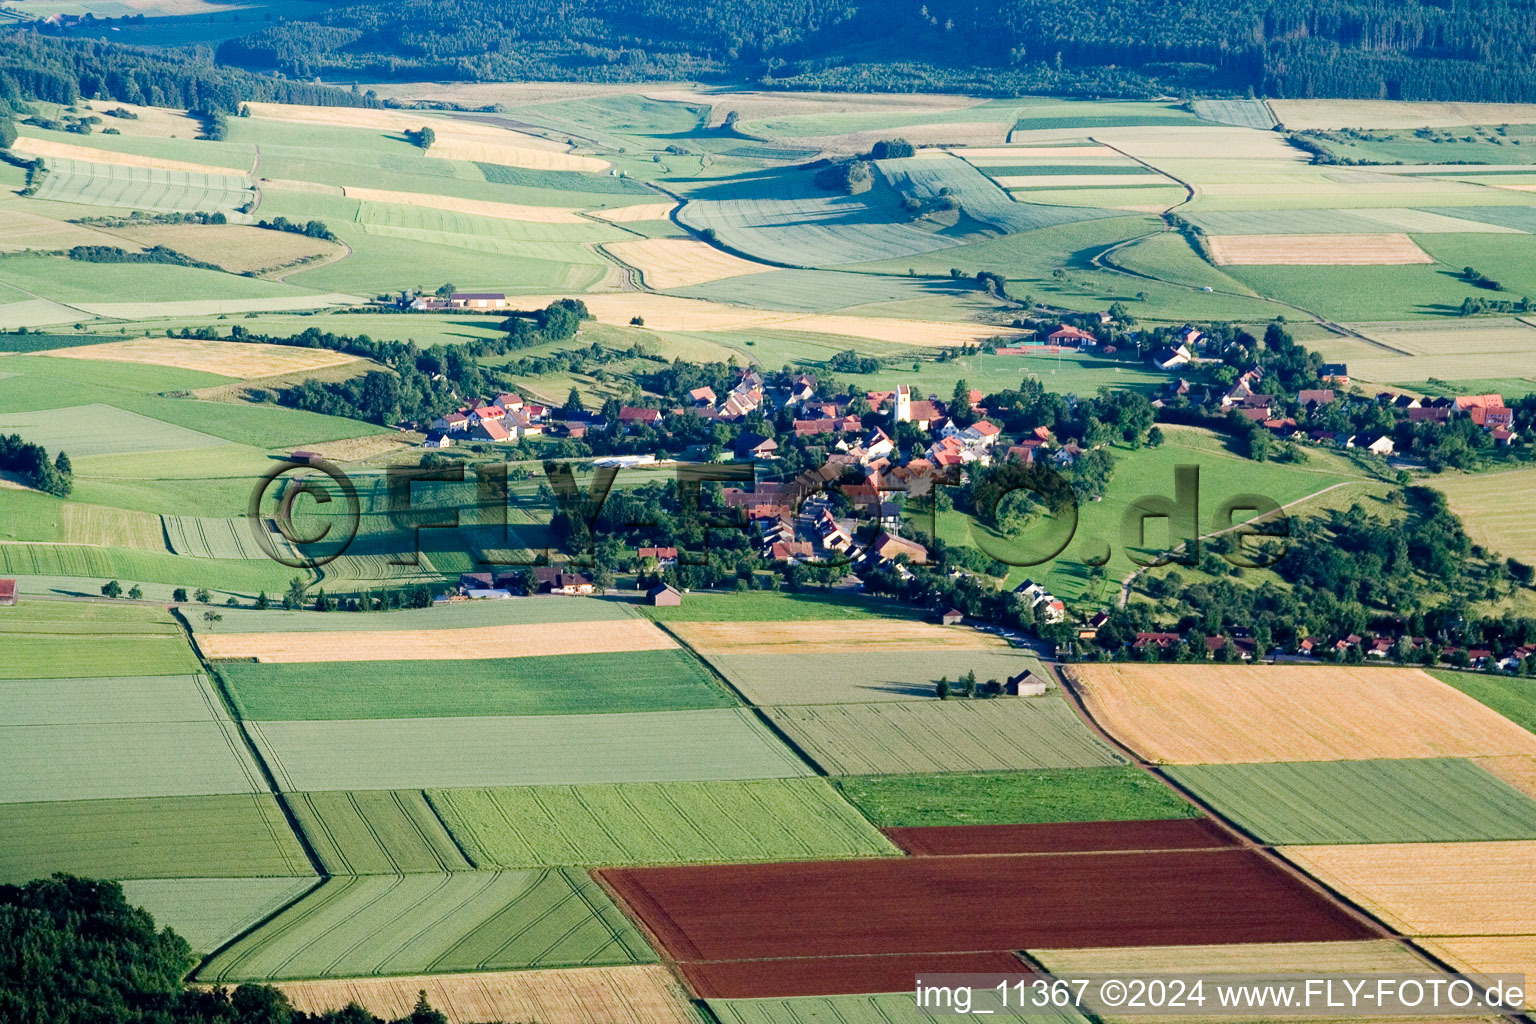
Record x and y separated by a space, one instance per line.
503 418
1379 647
471 302
1050 608
479 586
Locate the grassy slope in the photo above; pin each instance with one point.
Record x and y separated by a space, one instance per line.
1001 798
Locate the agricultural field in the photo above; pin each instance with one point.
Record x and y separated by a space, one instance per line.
569 684
1243 714
1399 353
670 263
1482 502
656 823
386 925
104 526
1510 697
885 1008
477 642
1315 250
127 187
1064 837
641 994
485 750
1431 888
760 606
1367 956
942 736
830 636
208 912
893 673
376 832
228 359
1425 800
1119 793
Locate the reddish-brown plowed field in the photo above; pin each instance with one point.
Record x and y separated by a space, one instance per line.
1062 837
836 975
960 904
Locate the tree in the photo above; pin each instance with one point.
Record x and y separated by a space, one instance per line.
941 689
179 595
62 464
293 599
968 684
960 404
135 594
201 595
210 616
112 589
573 406
422 1012
1155 437
445 290
263 602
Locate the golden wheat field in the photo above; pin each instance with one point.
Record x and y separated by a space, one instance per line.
237 248
829 637
1355 957
21 230
582 995
1491 954
681 262
1026 181
227 358
674 313
523 640
151 122
1044 154
1517 770
476 207
355 449
65 151
1438 889
1315 250
636 213
1222 714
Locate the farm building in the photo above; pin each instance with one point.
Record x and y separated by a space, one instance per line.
1026 684
1072 337
952 617
303 457
7 592
1334 373
557 581
663 596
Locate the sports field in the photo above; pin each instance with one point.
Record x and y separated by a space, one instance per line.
382 925
658 823
569 684
1119 793
1432 888
640 994
1425 800
942 736
158 837
415 753
1221 714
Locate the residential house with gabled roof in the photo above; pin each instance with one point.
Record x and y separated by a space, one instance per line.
703 396
1070 337
1170 357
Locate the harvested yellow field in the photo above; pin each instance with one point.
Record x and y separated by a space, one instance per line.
1491 954
1228 714
681 262
1433 888
355 449
638 212
477 207
1038 154
152 122
65 151
1301 115
1013 181
1315 250
228 358
524 640
22 230
456 139
238 248
1176 142
829 637
1404 191
583 995
1518 188
1516 770
1357 957
673 313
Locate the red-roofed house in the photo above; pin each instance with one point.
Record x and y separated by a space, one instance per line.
492 430
663 556
1072 337
702 396
634 416
7 592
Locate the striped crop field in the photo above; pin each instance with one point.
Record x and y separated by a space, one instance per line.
943 736
376 832
638 994
1409 801
418 753
883 1008
105 526
200 537
161 837
143 188
657 823
380 925
562 684
1233 714
866 677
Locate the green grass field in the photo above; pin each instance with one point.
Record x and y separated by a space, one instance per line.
662 823
208 912
246 578
943 736
416 924
203 537
540 610
376 832
61 656
1118 793
661 746
887 1008
1429 800
573 684
102 430
142 188
766 606
1513 698
166 837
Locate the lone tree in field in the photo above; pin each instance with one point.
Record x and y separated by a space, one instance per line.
179 595
212 616
135 594
112 589
201 595
941 689
294 598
